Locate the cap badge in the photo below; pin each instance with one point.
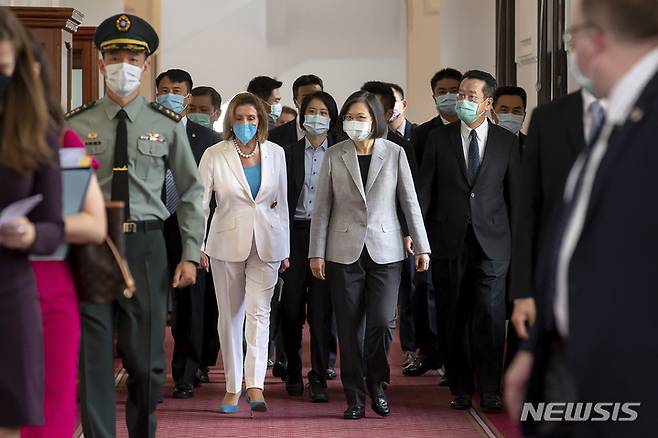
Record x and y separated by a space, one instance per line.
123 23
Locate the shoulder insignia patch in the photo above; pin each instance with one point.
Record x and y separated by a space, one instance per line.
80 109
166 111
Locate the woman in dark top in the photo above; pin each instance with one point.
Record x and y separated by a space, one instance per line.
28 166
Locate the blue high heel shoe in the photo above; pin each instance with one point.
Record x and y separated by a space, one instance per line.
256 406
230 409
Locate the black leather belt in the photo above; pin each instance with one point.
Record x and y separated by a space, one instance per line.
142 226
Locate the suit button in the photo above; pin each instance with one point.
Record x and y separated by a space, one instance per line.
472 195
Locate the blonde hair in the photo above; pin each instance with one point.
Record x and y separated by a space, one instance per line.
251 100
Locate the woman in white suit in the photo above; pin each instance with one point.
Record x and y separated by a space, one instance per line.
248 242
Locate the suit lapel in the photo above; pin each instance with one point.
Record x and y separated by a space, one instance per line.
299 153
376 163
266 169
575 124
233 161
458 147
352 164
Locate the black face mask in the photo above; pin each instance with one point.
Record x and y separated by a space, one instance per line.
4 84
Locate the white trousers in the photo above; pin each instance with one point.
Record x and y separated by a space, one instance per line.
244 288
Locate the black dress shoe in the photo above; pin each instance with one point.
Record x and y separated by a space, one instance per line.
331 373
354 413
203 375
183 391
461 402
379 402
443 381
280 370
317 392
418 367
491 403
295 386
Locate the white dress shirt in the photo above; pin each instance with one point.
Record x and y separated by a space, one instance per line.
403 126
482 133
620 104
184 121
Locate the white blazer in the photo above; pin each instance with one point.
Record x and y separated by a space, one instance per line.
239 217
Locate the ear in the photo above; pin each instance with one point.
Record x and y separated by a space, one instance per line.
101 66
147 65
404 104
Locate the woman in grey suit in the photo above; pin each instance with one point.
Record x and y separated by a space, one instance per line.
356 230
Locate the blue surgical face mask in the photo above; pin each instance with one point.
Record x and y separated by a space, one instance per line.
174 102
578 75
244 131
275 111
316 124
467 111
445 103
511 122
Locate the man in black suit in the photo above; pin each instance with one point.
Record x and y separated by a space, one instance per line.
468 191
398 122
290 133
509 109
444 85
268 89
595 289
555 138
304 296
188 303
205 108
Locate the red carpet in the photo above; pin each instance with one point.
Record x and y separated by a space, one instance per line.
419 409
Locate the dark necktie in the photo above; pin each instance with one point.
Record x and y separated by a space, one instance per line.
473 156
172 200
569 202
120 190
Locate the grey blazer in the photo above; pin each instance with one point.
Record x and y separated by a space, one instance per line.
346 216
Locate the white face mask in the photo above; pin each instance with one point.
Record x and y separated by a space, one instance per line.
357 131
123 78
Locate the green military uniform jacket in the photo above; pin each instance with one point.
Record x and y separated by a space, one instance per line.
156 142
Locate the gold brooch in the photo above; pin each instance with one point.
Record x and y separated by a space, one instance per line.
93 135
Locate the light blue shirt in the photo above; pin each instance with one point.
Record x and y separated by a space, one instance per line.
312 161
253 178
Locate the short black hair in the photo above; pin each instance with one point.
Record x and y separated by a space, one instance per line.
397 88
490 83
285 109
262 86
509 90
305 80
446 73
215 97
175 75
328 101
381 89
379 125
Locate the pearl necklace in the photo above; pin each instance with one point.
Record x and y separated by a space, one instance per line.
250 154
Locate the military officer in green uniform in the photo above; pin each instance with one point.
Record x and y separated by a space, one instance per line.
137 144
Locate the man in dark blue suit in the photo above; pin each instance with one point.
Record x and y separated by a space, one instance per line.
595 281
174 91
398 122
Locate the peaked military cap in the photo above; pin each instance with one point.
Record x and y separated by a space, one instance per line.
128 32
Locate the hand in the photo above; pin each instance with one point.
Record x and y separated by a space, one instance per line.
516 382
422 262
185 275
524 311
204 262
18 235
284 265
317 268
409 245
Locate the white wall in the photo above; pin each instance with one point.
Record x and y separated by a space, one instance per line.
95 11
526 52
468 34
226 43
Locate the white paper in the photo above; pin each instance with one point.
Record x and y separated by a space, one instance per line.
71 157
19 209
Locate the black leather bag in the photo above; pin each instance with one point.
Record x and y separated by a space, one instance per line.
101 272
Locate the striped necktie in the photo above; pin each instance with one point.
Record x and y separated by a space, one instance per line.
172 200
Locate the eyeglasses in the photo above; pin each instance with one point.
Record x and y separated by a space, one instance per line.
470 98
358 118
569 34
